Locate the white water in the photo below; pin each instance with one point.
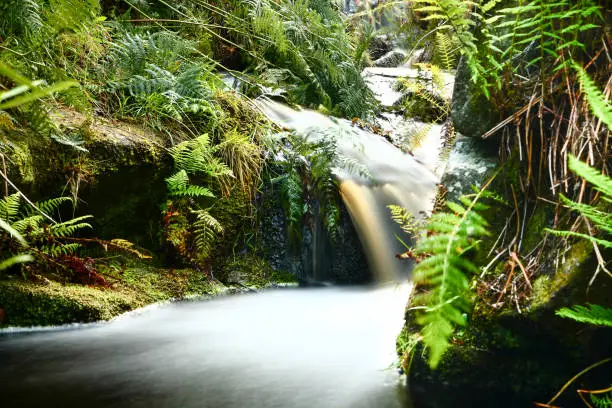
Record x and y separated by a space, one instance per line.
302 348
396 178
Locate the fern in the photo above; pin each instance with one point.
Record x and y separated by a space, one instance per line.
446 48
603 401
404 218
443 272
591 314
600 217
178 185
206 229
598 103
20 17
293 203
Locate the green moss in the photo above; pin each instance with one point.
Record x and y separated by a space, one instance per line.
33 304
255 272
569 270
535 228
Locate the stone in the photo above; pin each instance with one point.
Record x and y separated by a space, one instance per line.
379 46
470 162
472 113
392 59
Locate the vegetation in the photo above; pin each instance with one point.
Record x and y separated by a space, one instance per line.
542 70
306 176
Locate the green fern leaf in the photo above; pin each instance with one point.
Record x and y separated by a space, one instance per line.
599 105
591 314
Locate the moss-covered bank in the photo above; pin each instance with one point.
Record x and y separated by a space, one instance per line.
45 302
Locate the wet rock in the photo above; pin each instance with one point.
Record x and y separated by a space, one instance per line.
469 164
379 46
316 259
117 172
393 58
471 111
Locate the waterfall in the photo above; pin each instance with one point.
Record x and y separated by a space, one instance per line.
393 177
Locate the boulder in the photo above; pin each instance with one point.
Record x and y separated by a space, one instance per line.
469 163
115 168
392 59
471 111
379 46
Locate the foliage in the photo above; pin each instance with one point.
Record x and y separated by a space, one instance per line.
189 227
404 218
424 97
603 401
601 218
443 269
50 245
591 314
300 46
307 176
494 40
598 103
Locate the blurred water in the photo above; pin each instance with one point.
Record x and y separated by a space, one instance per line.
309 347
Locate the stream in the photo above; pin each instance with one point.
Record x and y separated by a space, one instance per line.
326 347
308 347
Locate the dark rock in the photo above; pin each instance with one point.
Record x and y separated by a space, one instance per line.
316 259
392 59
471 111
469 163
379 46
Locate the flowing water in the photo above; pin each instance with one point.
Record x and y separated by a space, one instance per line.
311 348
372 171
307 348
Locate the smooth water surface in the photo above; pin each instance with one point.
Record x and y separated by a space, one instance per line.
310 348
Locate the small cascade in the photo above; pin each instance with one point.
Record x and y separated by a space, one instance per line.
385 176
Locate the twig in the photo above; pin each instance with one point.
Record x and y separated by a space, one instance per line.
6 191
574 378
518 261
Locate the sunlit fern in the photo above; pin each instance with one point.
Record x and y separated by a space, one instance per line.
443 270
591 314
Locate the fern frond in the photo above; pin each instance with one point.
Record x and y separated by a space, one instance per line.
404 218
56 249
206 229
443 272
601 401
51 206
14 260
447 50
600 217
9 207
70 227
591 314
598 103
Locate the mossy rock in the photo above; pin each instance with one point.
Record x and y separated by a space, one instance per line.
32 304
507 359
472 113
254 272
27 303
119 179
